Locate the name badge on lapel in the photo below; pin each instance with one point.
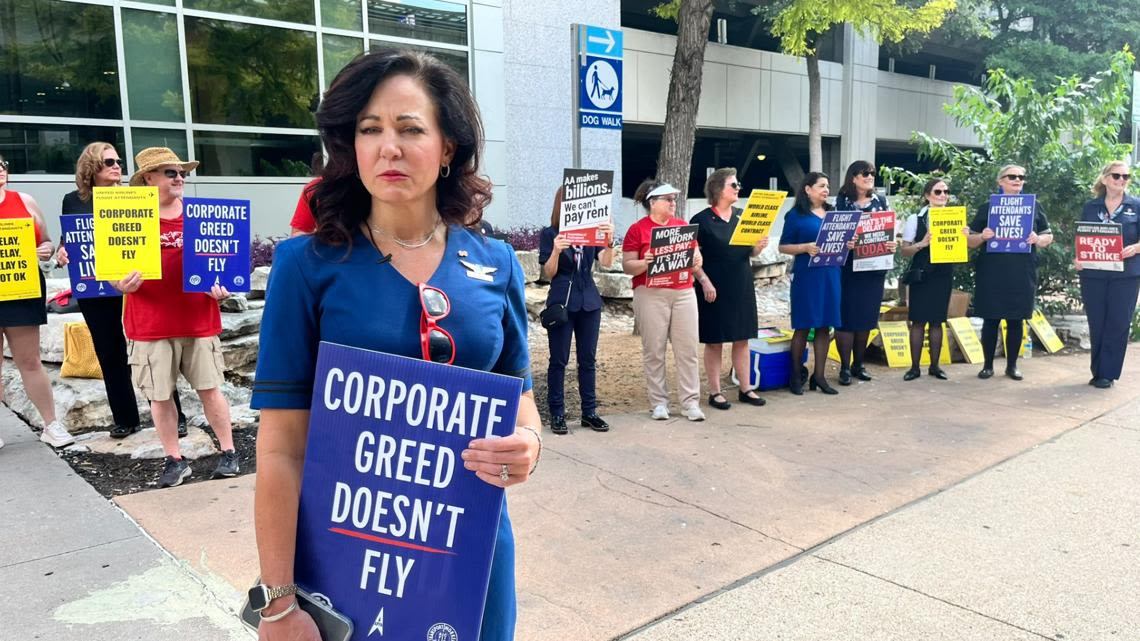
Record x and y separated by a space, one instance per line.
478 272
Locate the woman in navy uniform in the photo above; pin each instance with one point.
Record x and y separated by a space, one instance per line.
815 290
1005 284
1110 297
570 270
862 291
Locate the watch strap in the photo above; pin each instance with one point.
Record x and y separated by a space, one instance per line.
280 591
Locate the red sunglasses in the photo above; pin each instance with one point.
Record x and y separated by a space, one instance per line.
436 344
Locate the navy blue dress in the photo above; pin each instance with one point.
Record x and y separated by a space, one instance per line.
862 291
815 290
1005 285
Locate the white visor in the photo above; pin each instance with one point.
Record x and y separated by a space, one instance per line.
663 190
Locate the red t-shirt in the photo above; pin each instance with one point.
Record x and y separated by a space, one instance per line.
637 240
160 309
13 207
303 216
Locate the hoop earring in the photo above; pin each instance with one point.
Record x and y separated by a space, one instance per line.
445 171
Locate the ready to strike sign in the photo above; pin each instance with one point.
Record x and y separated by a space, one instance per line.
1100 246
673 249
587 196
78 232
19 265
392 528
1011 219
835 232
215 244
126 232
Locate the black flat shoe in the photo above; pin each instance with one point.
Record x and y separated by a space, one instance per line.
1103 383
595 422
986 372
796 386
844 376
122 431
821 385
751 400
912 374
860 372
1093 380
558 425
1014 373
720 405
937 372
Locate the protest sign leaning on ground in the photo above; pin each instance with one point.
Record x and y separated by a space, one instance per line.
20 315
1110 296
396 265
1005 284
171 331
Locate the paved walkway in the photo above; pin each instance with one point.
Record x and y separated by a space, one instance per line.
965 509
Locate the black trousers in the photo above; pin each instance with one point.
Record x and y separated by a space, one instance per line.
584 326
1109 305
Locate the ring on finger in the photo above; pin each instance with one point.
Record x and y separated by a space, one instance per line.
505 473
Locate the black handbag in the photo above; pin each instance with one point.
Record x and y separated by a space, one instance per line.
556 315
913 276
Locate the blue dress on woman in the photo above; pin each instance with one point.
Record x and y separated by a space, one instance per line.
815 290
862 291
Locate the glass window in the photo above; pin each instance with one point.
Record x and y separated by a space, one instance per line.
154 70
457 60
165 3
433 20
243 74
339 51
341 14
285 10
240 154
173 138
58 59
51 149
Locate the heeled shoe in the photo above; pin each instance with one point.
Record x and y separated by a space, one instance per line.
595 422
844 376
860 372
912 374
986 372
720 405
743 397
558 425
937 372
803 373
796 386
1013 373
821 385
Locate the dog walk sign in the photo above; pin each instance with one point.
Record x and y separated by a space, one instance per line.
599 58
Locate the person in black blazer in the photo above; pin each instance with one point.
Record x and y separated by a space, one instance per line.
569 269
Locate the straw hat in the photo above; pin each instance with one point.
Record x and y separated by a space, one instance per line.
152 158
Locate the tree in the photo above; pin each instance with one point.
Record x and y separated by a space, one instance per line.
675 158
800 23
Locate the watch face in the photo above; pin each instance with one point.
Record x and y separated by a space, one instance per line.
258 598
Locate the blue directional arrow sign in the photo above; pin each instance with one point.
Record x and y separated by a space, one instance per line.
603 42
599 77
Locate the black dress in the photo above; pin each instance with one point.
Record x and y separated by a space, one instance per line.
928 299
1005 285
862 291
732 316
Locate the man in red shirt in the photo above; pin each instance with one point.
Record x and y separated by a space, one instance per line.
171 331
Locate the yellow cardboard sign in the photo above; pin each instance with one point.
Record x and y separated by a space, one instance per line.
896 342
833 351
1045 332
967 340
947 244
19 266
759 213
126 232
1024 336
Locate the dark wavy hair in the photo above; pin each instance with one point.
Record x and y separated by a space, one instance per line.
803 203
339 201
929 187
849 189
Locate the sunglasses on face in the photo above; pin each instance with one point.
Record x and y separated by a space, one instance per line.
734 185
940 192
436 344
1118 176
175 173
1016 177
3 165
867 173
111 162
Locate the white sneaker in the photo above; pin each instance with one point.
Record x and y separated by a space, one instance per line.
694 413
1 442
56 435
660 413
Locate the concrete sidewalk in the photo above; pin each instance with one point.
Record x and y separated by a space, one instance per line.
73 566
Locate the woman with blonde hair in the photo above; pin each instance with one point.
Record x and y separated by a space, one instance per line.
1109 296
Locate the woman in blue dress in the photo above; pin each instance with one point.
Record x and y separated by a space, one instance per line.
397 210
815 290
862 291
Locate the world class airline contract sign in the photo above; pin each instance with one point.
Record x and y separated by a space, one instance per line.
392 529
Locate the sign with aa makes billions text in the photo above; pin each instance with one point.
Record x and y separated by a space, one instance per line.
127 232
587 195
215 244
392 528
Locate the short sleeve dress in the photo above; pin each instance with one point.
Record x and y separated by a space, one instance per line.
1005 285
732 316
815 290
929 299
862 291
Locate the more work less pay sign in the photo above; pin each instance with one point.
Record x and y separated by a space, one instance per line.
392 528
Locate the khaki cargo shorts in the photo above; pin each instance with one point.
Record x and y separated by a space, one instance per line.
155 365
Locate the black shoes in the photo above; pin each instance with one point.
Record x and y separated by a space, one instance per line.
122 431
720 405
227 466
937 372
744 397
594 422
860 372
1014 373
174 472
1102 383
912 374
796 385
558 425
844 376
986 372
821 385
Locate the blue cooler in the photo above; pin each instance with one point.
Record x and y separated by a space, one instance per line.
771 363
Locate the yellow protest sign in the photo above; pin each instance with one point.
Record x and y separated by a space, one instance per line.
944 355
1045 332
947 243
967 340
896 342
758 216
1020 352
126 232
19 266
833 351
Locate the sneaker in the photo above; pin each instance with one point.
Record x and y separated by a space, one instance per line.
227 465
694 413
56 435
174 472
660 413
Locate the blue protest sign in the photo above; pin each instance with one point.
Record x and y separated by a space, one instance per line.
78 240
837 229
391 527
215 244
1011 218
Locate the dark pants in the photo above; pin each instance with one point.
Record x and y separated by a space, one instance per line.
1110 304
585 327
